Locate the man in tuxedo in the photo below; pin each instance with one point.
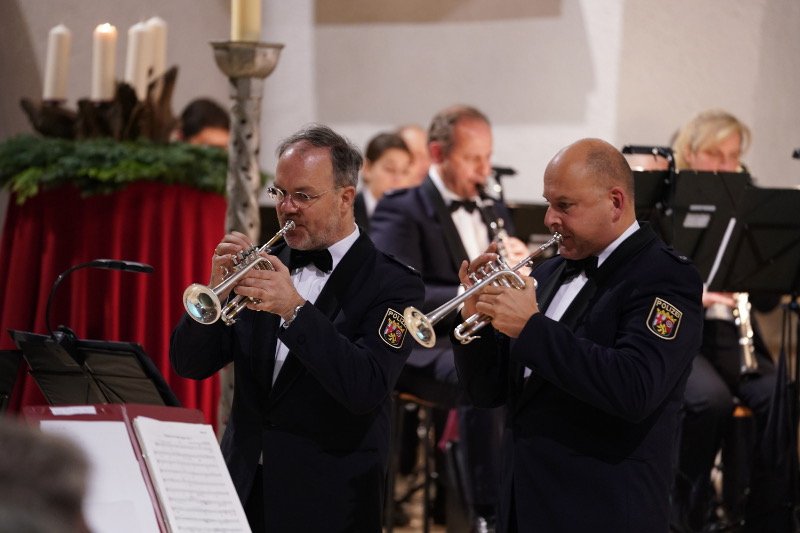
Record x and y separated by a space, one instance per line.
433 228
317 352
591 365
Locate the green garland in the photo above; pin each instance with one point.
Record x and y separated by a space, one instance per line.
29 164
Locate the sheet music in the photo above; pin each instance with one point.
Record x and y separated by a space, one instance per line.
117 500
193 484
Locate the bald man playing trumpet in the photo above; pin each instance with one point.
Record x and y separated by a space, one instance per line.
591 364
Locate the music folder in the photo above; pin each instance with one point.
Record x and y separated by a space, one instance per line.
93 371
153 468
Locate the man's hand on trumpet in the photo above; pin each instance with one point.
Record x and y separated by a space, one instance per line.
471 268
509 308
272 289
222 260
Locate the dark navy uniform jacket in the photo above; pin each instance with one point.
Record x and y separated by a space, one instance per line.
591 433
323 427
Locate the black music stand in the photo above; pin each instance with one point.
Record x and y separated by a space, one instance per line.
93 371
9 367
653 192
762 250
703 206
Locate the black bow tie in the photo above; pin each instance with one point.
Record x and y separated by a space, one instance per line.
469 205
574 267
320 258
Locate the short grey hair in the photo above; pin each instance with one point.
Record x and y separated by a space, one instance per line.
345 157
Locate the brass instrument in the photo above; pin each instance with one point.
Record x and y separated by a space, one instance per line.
493 273
748 364
202 302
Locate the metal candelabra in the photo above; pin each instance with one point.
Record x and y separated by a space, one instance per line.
246 64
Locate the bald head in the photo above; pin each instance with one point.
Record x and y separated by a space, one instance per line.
589 187
599 162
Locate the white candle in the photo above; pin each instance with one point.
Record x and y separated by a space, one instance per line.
245 20
57 64
138 58
158 31
104 48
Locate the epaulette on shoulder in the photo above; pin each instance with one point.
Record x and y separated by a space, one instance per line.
676 255
405 266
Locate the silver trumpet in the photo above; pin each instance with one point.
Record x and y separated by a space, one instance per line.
202 302
493 273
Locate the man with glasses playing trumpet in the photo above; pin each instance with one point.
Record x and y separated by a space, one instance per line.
591 364
308 437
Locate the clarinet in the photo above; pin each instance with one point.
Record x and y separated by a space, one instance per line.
748 364
496 226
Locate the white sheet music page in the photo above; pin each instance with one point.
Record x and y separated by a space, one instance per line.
193 484
117 500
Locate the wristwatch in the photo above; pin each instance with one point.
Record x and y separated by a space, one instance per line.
288 323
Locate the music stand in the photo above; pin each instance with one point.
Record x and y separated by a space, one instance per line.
704 204
9 367
653 190
93 371
762 251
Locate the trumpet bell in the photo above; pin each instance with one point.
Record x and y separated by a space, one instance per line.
420 327
202 303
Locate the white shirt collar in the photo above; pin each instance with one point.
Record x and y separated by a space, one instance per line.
602 256
447 194
338 249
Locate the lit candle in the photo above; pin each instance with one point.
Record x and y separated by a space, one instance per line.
57 64
138 58
104 48
245 20
158 31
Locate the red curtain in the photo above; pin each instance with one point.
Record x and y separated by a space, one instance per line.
173 228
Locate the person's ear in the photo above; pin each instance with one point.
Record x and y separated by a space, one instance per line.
618 202
348 195
436 151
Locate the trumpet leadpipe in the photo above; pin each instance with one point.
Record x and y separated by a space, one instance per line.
421 325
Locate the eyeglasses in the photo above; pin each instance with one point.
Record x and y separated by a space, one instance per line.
298 199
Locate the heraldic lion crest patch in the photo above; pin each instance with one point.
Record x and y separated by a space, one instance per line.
393 328
664 319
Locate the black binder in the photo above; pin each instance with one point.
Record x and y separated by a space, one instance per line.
93 371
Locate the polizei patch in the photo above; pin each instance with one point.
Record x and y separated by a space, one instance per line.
393 328
664 319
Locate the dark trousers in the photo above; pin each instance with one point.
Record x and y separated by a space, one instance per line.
708 406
